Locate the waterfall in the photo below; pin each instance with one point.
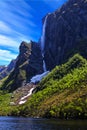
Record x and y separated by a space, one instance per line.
44 66
38 78
43 43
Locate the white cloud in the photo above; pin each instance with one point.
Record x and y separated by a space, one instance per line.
7 55
17 13
4 27
17 36
7 41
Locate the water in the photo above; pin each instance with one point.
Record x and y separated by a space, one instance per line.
37 78
43 35
44 66
13 123
43 43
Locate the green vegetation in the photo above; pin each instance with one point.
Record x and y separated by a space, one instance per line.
5 107
61 94
15 79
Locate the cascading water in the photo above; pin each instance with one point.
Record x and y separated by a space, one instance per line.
43 43
44 66
37 78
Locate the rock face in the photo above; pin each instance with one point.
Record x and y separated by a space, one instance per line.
64 29
35 64
18 75
29 63
2 67
5 71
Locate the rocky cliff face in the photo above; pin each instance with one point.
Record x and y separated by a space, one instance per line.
35 63
64 29
29 63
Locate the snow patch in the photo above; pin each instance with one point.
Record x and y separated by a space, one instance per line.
22 102
29 93
38 77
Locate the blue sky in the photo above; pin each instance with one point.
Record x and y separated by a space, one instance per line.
21 20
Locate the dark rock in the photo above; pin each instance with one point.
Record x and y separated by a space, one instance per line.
65 27
2 67
29 63
35 65
18 75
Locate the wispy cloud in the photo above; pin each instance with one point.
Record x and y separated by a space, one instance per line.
7 41
7 55
4 27
20 20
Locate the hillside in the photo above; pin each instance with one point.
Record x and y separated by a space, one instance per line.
61 94
61 52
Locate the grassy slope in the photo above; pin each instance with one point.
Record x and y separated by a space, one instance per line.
5 107
61 94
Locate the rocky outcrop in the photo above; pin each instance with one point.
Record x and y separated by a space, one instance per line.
35 65
64 29
18 75
29 63
6 70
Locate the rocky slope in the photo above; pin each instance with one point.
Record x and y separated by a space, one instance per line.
65 28
6 70
35 65
2 67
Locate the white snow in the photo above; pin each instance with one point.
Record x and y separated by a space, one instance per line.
38 77
22 102
29 93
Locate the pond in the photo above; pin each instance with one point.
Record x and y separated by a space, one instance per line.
20 123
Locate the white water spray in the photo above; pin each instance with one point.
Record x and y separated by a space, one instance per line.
38 78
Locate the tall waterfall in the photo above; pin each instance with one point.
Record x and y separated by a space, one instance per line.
43 43
37 78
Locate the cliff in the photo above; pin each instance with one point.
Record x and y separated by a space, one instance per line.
29 63
64 30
